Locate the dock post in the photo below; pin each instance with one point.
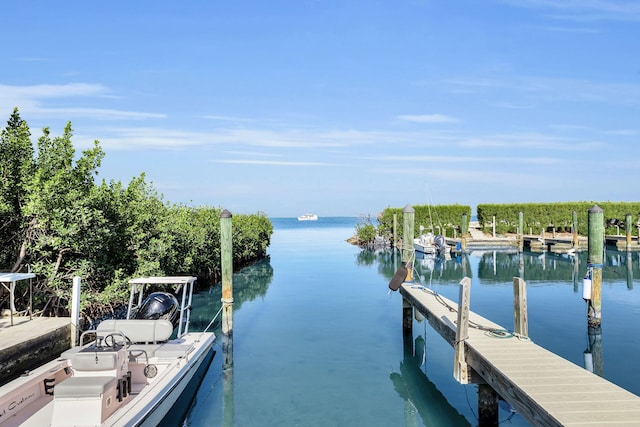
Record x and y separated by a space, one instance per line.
460 371
487 406
574 229
493 226
520 322
75 310
594 264
395 230
226 251
593 354
407 327
629 271
226 261
520 232
408 229
464 232
627 226
521 265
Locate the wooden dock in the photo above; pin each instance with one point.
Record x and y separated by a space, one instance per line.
30 342
544 388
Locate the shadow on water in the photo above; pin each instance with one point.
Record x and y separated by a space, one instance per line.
187 399
420 394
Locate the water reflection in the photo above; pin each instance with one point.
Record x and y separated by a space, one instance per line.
557 318
420 394
321 321
248 284
501 266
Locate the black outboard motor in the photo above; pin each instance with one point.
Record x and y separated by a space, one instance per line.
160 305
440 244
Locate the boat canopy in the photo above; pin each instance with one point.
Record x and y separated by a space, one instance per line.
185 283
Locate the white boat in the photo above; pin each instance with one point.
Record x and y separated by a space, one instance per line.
428 243
308 217
129 373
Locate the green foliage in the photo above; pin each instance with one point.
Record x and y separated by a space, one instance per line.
16 168
365 231
558 216
63 224
440 219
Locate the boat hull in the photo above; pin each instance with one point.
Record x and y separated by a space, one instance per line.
308 217
151 409
24 402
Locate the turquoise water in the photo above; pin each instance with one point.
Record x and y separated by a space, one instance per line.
317 337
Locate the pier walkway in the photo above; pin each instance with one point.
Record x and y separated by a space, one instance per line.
543 387
30 342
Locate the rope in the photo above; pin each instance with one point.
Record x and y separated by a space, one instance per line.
490 332
212 320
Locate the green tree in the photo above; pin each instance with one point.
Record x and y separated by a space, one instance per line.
63 224
16 168
57 219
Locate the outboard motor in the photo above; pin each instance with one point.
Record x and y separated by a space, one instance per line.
160 305
440 244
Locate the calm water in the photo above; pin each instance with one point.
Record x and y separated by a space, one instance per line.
318 338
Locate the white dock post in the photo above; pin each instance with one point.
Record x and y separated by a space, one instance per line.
460 370
75 310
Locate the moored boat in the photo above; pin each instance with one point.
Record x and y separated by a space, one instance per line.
128 373
428 243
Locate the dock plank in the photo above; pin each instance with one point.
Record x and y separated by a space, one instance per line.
545 388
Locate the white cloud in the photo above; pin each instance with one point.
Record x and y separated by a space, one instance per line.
34 101
533 89
585 10
44 91
428 118
150 137
454 160
531 141
275 163
98 113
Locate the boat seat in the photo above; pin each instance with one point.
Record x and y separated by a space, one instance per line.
95 361
84 387
172 351
86 400
139 330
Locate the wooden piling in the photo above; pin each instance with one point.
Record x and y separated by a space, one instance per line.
520 321
464 232
594 352
226 251
395 230
408 230
460 371
574 229
594 263
629 271
520 232
627 226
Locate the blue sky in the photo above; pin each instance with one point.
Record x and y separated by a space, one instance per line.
338 107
